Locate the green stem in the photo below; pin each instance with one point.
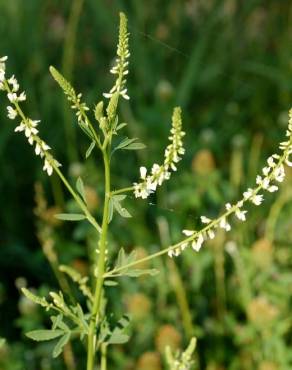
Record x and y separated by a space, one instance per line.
91 345
79 201
124 190
103 364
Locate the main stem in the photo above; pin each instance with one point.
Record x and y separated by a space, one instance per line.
91 345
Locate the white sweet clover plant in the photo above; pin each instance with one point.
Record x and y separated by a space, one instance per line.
92 326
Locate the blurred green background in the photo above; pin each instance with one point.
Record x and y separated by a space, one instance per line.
228 63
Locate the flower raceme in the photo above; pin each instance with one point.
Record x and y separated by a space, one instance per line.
272 174
172 156
27 125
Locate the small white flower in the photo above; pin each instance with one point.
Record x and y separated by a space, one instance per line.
45 146
211 234
247 194
12 113
12 97
272 188
205 220
271 162
228 206
184 246
224 224
47 167
240 214
257 199
170 253
13 82
197 244
265 183
188 232
37 149
143 172
22 97
20 128
266 170
279 173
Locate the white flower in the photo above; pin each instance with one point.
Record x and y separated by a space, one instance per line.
37 149
266 170
48 167
211 234
228 206
279 173
20 128
247 194
257 199
272 188
188 232
12 97
240 214
224 224
22 97
143 172
197 244
170 253
13 82
205 220
12 113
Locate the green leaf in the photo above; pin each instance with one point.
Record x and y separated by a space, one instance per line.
80 188
135 146
34 298
125 143
56 321
117 206
121 125
90 149
118 338
41 335
140 272
86 130
110 283
70 216
2 342
60 345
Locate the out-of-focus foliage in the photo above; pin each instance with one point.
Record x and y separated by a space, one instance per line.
228 64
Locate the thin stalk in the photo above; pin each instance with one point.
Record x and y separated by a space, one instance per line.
81 204
103 365
176 281
124 190
91 345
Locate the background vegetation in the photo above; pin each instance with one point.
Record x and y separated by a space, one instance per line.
228 64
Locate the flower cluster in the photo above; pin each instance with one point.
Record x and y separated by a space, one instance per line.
172 156
121 63
27 125
272 174
72 97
